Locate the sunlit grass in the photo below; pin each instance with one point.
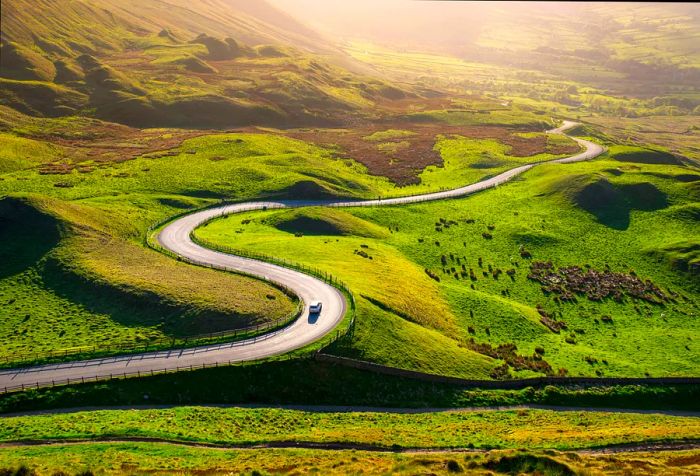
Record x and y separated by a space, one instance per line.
533 429
644 339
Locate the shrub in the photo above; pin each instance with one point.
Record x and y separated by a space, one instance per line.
530 464
453 466
500 373
363 254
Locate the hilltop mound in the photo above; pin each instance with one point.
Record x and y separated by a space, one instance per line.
306 189
105 79
689 212
67 72
41 98
220 49
643 155
270 51
684 256
22 63
325 222
612 203
196 65
165 33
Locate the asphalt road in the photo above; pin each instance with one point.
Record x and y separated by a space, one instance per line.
305 330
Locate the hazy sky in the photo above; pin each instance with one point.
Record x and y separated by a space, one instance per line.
405 22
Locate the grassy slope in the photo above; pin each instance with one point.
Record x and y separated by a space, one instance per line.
653 34
98 277
114 24
644 338
76 276
209 167
104 203
469 160
308 382
397 337
534 429
21 153
140 65
569 81
679 135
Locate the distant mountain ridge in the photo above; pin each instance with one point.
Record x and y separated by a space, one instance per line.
182 63
87 26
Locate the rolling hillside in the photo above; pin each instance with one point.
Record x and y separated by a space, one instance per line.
516 292
89 26
193 64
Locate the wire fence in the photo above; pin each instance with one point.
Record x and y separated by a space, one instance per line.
310 270
503 384
121 375
24 359
239 334
102 377
19 360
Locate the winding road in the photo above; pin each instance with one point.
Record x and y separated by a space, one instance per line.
305 330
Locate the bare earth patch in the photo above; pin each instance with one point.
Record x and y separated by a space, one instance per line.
413 153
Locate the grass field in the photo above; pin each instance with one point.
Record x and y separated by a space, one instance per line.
490 436
637 216
534 429
117 458
679 135
96 212
75 216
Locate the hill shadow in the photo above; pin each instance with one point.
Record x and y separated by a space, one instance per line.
26 236
612 204
131 307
